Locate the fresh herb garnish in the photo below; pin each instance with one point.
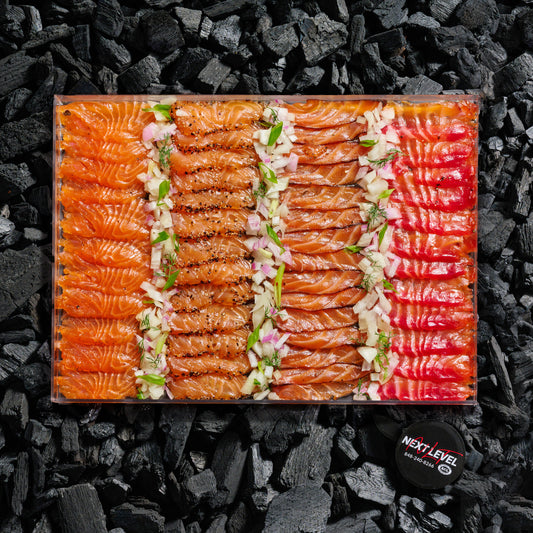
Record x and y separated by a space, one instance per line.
162 108
171 280
368 142
381 233
153 378
274 361
140 395
176 242
376 215
388 285
391 154
164 189
261 190
274 114
257 383
140 346
265 124
385 194
160 343
267 172
273 235
277 285
163 236
368 281
275 132
253 338
164 152
145 322
353 249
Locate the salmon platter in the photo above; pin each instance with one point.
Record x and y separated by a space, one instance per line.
265 249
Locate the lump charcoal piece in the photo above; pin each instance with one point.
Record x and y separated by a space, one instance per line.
498 363
238 57
190 64
111 454
321 36
81 42
238 520
226 7
14 180
48 35
111 54
7 233
495 116
494 232
451 39
308 462
112 491
391 43
306 79
70 437
466 66
513 76
24 214
376 73
226 33
176 424
390 13
356 34
302 509
23 136
422 85
35 378
20 483
442 9
272 81
335 9
43 97
140 75
15 101
491 53
421 21
162 33
80 509
525 239
37 434
100 430
246 85
371 482
137 519
280 40
13 357
259 470
15 70
525 22
513 124
211 76
107 81
109 18
190 21
205 28
228 465
344 452
199 487
218 525
143 468
62 56
480 15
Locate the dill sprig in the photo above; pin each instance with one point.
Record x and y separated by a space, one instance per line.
391 154
165 149
376 216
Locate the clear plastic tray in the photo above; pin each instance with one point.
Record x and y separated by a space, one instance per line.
56 396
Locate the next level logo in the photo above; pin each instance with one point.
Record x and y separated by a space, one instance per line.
432 452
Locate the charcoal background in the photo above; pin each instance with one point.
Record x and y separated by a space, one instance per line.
92 468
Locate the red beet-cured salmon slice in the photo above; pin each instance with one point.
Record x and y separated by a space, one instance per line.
332 175
111 280
299 320
415 268
428 112
332 373
322 197
213 198
313 219
228 179
102 331
331 261
221 344
314 302
202 118
320 282
213 222
115 222
96 386
335 134
223 272
96 304
440 199
216 248
400 388
207 387
73 193
206 364
315 391
436 367
219 140
120 122
421 343
436 155
328 338
328 154
439 222
302 358
325 114
109 152
432 247
198 296
322 241
77 357
449 293
211 319
440 178
80 252
188 163
431 318
437 129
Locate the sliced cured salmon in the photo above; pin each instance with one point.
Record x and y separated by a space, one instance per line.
188 163
101 331
436 367
400 388
213 222
328 338
198 296
329 261
417 269
440 199
213 198
314 302
431 318
97 385
221 344
206 364
449 293
193 252
436 155
407 176
434 130
218 273
227 179
322 197
315 391
332 373
322 241
118 358
422 343
321 281
332 175
329 154
211 319
73 193
96 304
334 134
324 113
313 219
302 358
109 152
462 110
299 320
207 387
202 118
219 140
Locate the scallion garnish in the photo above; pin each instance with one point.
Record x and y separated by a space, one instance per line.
163 236
253 338
353 249
368 142
381 233
274 236
275 132
154 379
385 194
277 285
162 108
171 280
164 189
267 172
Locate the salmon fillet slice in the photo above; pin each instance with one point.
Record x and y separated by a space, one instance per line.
428 112
322 241
96 386
433 130
321 281
218 344
191 298
218 140
448 293
299 320
315 302
431 318
405 176
328 261
315 391
323 113
332 373
213 199
331 175
437 155
188 163
118 358
313 219
333 134
96 304
207 387
109 152
328 338
322 197
207 364
101 331
212 319
436 367
329 154
223 272
445 199
73 193
212 222
400 388
421 343
417 269
228 179
217 248
302 358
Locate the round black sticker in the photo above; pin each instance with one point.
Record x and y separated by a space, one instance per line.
430 454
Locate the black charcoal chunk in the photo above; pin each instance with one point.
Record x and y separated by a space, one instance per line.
525 239
24 214
81 42
308 462
467 67
520 193
371 482
37 434
335 9
111 454
306 79
321 36
390 13
299 510
259 470
498 363
48 35
494 232
112 491
218 525
281 40
70 437
223 8
190 21
421 21
238 520
190 64
344 451
20 483
391 43
442 9
109 18
176 423
356 34
377 74
35 378
511 77
137 519
101 430
211 76
239 57
272 81
24 136
205 28
495 116
15 70
162 33
80 509
111 54
15 102
226 33
140 75
7 235
14 180
422 85
513 124
143 468
481 15
199 487
450 40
